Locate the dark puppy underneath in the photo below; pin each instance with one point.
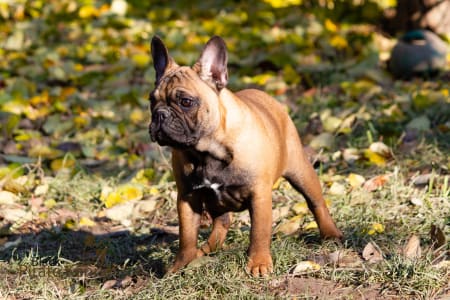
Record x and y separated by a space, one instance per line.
228 149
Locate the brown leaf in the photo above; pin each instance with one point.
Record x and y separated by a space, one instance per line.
371 253
345 259
437 236
375 182
412 248
109 284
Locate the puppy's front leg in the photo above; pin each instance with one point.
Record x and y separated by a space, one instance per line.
189 218
260 260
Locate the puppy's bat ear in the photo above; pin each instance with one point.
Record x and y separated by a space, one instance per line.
161 59
212 64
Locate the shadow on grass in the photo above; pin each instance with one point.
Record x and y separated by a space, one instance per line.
79 252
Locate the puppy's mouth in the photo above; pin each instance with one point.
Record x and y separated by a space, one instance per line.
167 136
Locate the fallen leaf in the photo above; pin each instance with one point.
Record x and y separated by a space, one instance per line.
331 123
344 259
422 179
444 264
124 193
201 261
120 212
351 155
375 228
141 60
8 198
50 203
323 140
125 282
69 225
380 148
16 214
109 284
304 267
337 189
300 208
290 226
279 213
376 182
417 201
85 221
41 190
144 207
374 158
277 183
310 225
355 180
371 253
412 248
437 236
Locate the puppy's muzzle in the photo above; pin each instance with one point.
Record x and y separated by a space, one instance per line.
159 116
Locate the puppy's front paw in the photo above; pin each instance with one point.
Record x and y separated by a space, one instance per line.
260 265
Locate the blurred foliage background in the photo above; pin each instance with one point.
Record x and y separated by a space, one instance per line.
75 74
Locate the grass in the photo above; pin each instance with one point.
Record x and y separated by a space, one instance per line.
60 263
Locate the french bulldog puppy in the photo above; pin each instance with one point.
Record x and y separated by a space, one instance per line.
228 149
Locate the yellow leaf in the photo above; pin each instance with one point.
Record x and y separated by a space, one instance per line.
78 67
374 158
154 191
290 226
330 26
277 184
283 3
380 148
310 225
375 228
44 152
141 60
68 91
445 93
50 203
69 225
88 11
81 121
62 163
112 199
355 180
43 215
40 99
123 193
300 208
84 221
136 116
305 267
290 75
338 42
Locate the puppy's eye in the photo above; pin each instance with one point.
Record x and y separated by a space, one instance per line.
186 102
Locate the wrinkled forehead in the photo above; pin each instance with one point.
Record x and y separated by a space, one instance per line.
179 79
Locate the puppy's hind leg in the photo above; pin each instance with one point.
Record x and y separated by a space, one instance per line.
221 224
303 178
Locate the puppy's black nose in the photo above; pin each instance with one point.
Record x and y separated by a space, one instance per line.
160 115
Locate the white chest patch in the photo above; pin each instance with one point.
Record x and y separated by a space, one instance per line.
209 185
